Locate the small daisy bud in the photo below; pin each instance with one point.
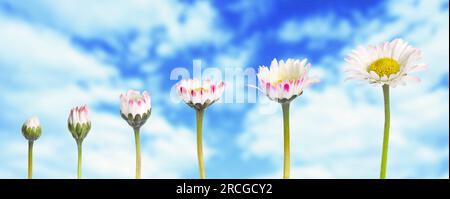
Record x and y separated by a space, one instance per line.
31 129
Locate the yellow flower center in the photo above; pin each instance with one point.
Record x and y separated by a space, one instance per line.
385 66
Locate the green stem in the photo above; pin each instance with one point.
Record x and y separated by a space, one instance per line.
199 117
79 159
286 168
138 153
30 159
386 131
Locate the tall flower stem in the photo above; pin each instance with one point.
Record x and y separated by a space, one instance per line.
286 167
199 117
79 158
137 140
386 131
30 159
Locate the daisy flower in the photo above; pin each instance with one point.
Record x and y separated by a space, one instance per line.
135 108
283 82
199 95
31 130
79 125
387 64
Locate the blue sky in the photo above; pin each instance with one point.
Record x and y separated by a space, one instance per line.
58 54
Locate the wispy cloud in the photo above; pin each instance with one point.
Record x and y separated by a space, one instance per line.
318 30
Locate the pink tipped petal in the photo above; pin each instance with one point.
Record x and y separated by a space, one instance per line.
286 87
412 79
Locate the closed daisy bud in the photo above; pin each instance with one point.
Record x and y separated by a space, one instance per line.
79 123
31 129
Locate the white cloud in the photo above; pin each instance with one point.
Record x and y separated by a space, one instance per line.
318 29
25 47
249 11
176 24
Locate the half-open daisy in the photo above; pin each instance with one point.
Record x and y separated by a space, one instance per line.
283 82
199 95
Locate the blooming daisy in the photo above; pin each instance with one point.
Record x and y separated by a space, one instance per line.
283 82
388 64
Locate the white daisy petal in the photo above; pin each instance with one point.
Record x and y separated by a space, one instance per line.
284 79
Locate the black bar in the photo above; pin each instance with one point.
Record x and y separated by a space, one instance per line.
226 188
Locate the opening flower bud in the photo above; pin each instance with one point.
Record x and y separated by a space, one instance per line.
135 108
79 123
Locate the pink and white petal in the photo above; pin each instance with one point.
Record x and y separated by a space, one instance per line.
418 68
411 79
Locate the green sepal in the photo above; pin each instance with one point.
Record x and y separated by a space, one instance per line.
79 131
138 120
282 101
31 134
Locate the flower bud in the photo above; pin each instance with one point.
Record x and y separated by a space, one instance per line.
79 123
135 107
31 129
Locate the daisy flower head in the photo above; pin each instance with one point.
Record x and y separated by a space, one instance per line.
199 94
135 107
284 81
389 63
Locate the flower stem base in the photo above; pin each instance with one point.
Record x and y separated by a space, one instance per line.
30 159
138 152
199 118
80 157
386 131
286 166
